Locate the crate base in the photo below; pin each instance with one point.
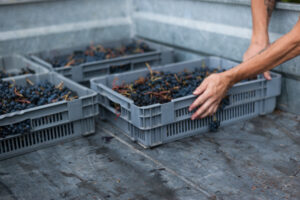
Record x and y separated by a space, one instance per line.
21 144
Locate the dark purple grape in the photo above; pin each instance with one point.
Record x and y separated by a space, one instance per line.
14 98
97 53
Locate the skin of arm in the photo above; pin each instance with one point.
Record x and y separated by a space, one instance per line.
261 14
214 88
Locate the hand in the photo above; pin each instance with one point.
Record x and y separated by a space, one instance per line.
211 91
253 50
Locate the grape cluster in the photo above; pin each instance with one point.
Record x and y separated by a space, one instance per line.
4 74
14 98
214 125
13 129
162 87
97 53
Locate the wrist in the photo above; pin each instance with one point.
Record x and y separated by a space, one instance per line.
260 40
228 78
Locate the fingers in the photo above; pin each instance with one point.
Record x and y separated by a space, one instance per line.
215 108
203 109
199 90
210 94
200 100
208 112
267 76
212 110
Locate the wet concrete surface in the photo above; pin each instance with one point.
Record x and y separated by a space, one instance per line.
255 159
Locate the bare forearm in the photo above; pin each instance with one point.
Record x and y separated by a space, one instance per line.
283 49
261 14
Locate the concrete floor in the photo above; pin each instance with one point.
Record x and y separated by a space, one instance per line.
256 159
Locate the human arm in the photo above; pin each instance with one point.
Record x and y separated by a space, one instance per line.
261 14
214 87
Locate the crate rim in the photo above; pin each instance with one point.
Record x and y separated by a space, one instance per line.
20 56
122 58
22 112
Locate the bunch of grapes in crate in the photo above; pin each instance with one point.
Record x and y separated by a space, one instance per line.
16 98
162 87
97 53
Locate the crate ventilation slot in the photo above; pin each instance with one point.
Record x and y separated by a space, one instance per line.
182 112
47 120
243 96
187 125
35 138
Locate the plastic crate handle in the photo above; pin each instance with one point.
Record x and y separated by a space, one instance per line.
115 98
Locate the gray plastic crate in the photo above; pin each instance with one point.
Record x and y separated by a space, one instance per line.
15 63
84 72
165 123
51 123
260 92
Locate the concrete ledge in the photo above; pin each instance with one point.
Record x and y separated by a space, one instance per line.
53 13
47 30
36 25
64 39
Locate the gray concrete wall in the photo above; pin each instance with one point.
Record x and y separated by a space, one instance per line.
218 27
37 25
